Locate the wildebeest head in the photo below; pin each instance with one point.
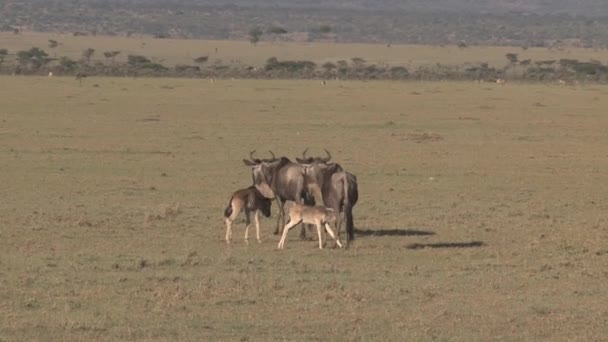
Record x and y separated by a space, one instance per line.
263 171
317 169
309 160
317 173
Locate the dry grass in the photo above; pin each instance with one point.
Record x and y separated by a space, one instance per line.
496 231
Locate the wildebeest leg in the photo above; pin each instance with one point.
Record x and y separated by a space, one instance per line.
285 230
257 225
338 225
228 229
331 233
319 233
281 217
248 221
304 226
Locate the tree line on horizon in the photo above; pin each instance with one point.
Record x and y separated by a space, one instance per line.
37 61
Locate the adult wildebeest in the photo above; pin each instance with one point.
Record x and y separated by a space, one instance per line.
280 179
338 189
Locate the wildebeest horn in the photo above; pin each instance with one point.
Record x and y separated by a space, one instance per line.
273 156
304 153
255 160
328 156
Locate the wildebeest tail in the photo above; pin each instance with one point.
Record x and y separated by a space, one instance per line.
348 211
350 225
228 210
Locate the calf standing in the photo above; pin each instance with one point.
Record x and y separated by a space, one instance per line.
247 200
317 215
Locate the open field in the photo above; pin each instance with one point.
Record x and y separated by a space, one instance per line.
482 212
181 51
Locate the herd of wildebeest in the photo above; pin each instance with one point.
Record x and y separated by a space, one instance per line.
321 192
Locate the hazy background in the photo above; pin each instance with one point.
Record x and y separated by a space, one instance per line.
493 22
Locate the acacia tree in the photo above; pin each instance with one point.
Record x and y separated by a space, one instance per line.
276 31
34 58
3 54
111 55
52 45
255 34
67 64
358 62
201 59
87 54
512 57
325 29
329 67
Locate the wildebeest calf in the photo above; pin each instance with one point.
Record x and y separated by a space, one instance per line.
317 215
247 200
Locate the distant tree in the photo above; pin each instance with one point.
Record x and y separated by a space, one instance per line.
289 66
319 32
142 62
161 35
87 54
255 34
399 72
201 59
342 67
329 67
512 57
276 30
137 60
34 58
325 29
271 63
568 63
111 54
187 69
67 64
358 62
545 62
3 54
52 45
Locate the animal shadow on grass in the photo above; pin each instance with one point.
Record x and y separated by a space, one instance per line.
469 244
392 232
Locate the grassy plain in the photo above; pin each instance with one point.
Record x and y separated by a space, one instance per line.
181 51
482 213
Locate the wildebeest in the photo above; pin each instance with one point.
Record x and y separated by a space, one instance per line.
247 200
80 76
317 215
338 189
280 179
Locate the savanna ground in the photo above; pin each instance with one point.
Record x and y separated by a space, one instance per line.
482 211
